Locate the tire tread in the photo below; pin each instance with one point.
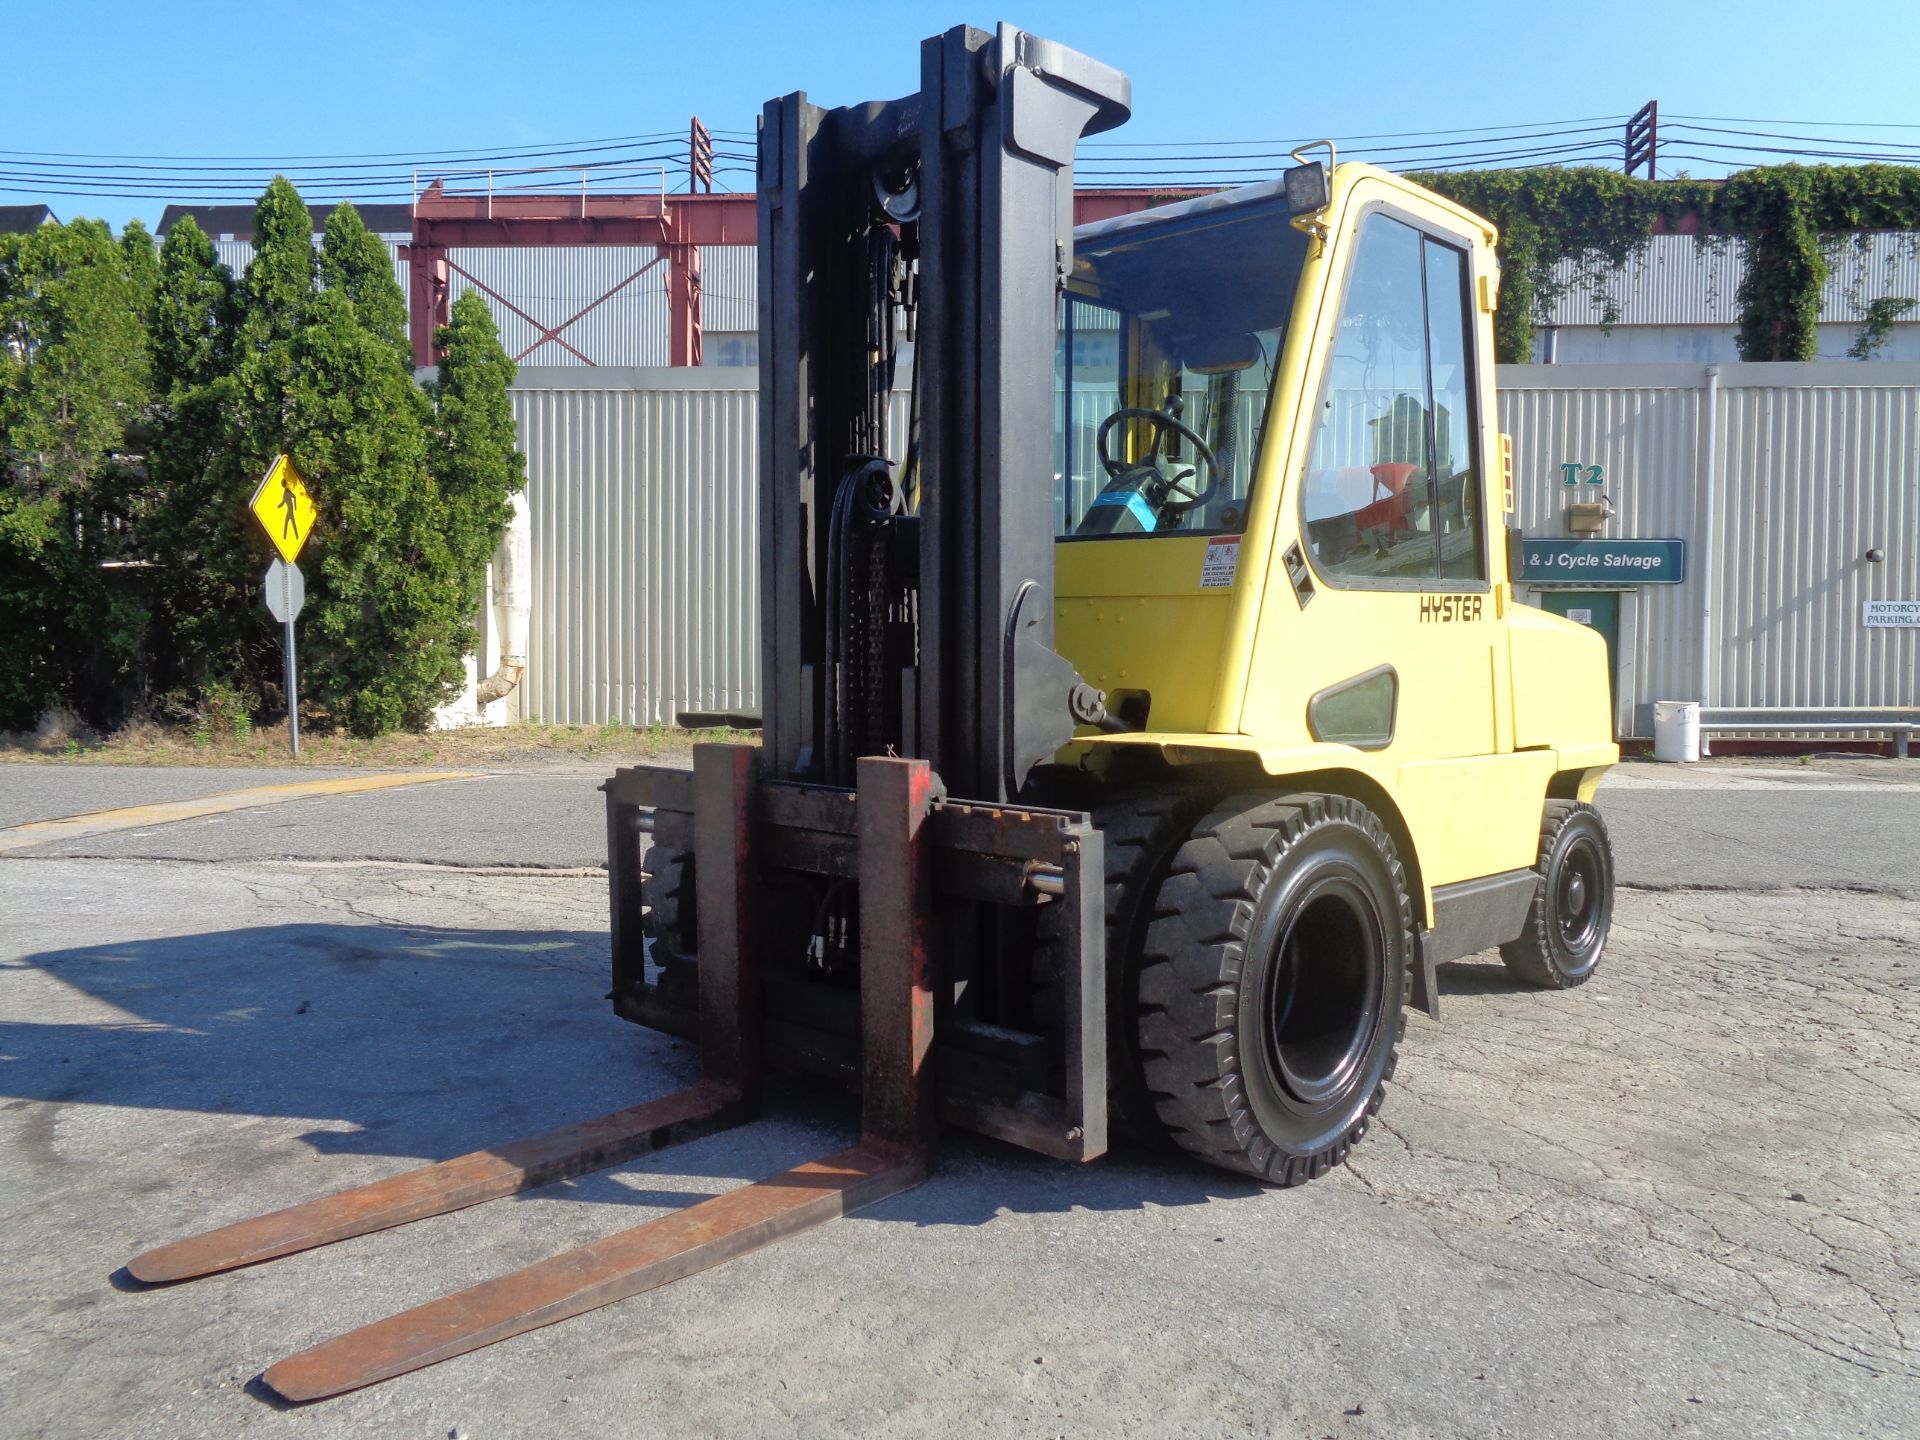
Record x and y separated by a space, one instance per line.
1192 969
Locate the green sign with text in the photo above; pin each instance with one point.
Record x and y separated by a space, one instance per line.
1602 562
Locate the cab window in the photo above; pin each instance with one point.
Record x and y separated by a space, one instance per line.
1168 338
1391 491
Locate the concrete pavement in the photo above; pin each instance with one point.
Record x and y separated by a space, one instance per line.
1844 824
1676 1201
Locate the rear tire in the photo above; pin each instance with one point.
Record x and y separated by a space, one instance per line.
1272 990
1572 908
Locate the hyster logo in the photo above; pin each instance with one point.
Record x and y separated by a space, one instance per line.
1450 607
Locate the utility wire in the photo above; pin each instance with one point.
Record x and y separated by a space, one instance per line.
1793 152
348 178
1803 143
1382 135
567 147
238 193
372 176
376 172
1406 162
1816 124
1411 162
1163 153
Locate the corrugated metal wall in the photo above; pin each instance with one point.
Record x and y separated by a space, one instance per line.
1815 464
234 254
1811 477
645 528
1644 429
729 293
554 283
641 492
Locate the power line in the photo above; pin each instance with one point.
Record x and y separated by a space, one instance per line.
372 176
1386 159
1584 149
186 188
567 147
1793 152
375 172
1286 151
235 192
1788 135
1383 135
397 178
1816 124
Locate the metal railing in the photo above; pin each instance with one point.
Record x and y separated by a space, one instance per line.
1896 722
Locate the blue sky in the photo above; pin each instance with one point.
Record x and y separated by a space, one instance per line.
270 78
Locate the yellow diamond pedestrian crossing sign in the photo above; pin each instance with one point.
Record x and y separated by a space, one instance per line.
284 507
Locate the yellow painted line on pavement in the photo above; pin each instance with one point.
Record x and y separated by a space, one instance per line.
165 812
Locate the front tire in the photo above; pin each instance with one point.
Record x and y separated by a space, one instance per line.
666 889
1271 994
1140 829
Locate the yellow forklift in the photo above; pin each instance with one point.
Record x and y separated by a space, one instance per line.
1143 721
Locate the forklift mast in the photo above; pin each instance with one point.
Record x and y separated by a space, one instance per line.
907 579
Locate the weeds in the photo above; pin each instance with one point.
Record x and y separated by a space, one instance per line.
207 730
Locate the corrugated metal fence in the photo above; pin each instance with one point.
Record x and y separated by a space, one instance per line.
1779 477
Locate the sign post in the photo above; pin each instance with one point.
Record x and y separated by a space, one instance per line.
285 509
286 597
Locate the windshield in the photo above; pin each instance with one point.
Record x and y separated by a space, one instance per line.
1169 335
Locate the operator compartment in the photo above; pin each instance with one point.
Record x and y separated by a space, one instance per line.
1170 334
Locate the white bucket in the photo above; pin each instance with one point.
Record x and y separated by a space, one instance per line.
1676 730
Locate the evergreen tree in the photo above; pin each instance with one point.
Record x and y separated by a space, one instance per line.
73 377
192 313
198 534
227 352
309 355
142 262
474 454
223 433
356 262
77 356
383 620
276 296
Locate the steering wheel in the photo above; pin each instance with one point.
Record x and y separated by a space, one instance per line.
1162 421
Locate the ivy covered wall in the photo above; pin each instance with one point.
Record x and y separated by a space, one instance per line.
1788 216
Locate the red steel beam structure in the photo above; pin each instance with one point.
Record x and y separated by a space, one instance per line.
678 224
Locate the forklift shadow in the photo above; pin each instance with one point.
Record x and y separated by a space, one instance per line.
976 1181
421 1044
1474 976
397 1040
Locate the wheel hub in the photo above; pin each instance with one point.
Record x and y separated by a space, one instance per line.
1323 1002
1580 894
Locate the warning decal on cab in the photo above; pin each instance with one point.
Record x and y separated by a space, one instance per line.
1221 562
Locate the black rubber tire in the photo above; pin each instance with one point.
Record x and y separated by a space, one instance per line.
1572 908
666 889
1139 830
1259 1061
